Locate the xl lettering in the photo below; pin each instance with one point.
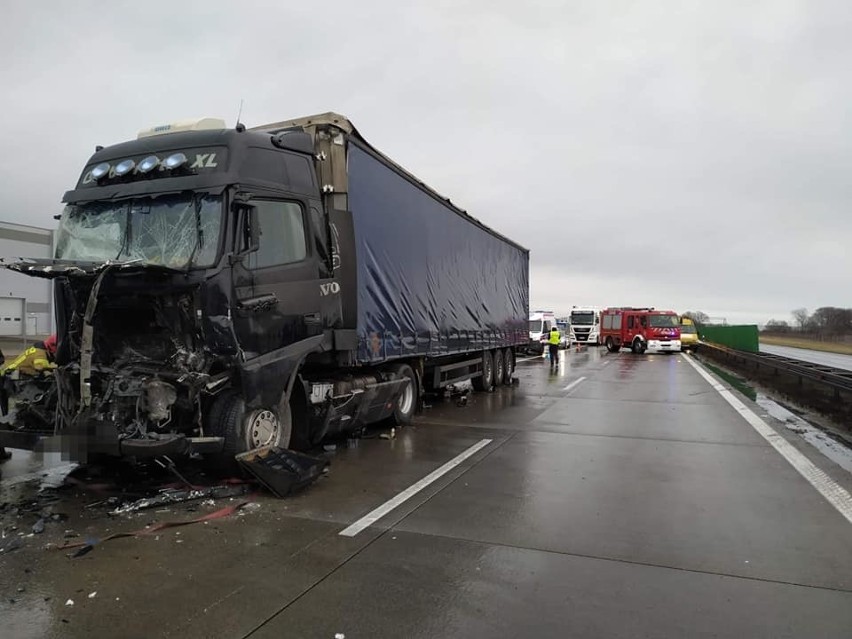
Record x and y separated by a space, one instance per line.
204 161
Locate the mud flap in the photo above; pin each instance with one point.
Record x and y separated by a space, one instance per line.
280 470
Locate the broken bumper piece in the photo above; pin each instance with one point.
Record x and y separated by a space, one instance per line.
280 470
165 445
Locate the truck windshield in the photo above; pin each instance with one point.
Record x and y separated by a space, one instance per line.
178 231
582 317
663 321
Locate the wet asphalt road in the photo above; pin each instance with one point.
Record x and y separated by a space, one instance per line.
837 360
635 502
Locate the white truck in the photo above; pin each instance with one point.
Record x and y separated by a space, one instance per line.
540 324
585 327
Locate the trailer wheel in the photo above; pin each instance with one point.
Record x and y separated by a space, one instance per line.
638 346
406 402
485 381
499 366
611 346
508 366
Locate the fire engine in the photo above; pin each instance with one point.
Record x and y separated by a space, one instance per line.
640 329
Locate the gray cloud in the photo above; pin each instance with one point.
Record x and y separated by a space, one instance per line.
690 155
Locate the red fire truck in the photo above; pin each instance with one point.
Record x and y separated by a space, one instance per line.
640 329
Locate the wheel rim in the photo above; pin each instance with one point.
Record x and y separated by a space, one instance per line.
406 399
263 428
498 368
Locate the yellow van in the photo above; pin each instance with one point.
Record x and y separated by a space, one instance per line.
688 334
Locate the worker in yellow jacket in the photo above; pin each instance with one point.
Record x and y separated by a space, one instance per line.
37 359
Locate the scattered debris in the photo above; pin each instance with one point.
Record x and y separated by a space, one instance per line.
170 496
38 527
9 544
84 547
70 602
92 595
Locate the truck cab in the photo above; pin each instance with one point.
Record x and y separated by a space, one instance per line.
585 325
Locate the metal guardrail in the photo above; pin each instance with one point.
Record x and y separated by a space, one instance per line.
837 379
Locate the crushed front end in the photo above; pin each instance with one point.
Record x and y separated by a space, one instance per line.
134 369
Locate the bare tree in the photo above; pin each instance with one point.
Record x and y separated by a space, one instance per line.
801 317
697 316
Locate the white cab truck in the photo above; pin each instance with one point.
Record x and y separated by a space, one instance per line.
585 325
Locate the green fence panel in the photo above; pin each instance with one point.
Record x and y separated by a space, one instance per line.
741 338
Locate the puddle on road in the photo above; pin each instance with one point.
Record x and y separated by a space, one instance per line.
829 445
835 450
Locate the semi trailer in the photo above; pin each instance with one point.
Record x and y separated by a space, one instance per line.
221 289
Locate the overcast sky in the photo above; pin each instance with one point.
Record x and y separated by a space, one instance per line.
688 155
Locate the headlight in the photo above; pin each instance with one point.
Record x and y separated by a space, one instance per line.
175 160
100 170
149 164
124 167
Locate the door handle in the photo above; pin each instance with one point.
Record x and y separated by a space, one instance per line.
312 319
258 304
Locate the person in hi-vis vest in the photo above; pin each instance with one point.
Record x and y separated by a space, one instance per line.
553 344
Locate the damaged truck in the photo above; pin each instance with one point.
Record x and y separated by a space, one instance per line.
221 289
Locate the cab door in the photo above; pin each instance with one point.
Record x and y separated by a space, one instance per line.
276 284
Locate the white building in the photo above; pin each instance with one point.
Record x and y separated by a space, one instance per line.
26 303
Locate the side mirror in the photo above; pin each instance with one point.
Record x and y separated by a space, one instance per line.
249 236
253 235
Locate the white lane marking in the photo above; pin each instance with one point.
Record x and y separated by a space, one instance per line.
835 494
373 516
606 363
574 384
527 359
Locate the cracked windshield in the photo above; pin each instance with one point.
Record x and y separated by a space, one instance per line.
176 231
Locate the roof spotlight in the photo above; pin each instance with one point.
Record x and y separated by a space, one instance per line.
149 164
100 170
175 160
124 167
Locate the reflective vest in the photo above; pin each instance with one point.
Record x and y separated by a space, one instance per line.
30 362
554 337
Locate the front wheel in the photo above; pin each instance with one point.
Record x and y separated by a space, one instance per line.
485 381
245 430
638 346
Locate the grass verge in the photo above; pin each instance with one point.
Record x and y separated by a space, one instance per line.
812 344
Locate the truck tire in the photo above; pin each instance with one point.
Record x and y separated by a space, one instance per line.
611 346
508 366
245 430
406 402
638 346
499 366
485 381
